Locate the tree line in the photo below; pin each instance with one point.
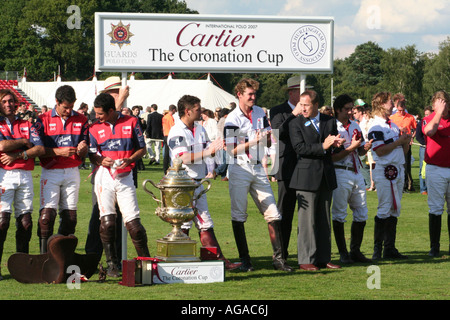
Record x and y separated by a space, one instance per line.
37 35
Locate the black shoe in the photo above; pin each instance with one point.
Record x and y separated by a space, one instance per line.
358 256
345 258
246 265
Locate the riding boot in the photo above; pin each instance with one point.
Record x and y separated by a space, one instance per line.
4 226
138 236
241 243
24 226
378 238
390 251
357 232
107 235
279 260
68 222
339 236
208 239
434 226
45 227
448 227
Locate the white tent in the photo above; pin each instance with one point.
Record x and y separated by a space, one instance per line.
142 92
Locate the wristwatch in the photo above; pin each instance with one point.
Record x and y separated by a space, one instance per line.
23 155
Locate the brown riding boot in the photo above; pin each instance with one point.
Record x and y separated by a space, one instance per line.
107 235
279 260
138 235
208 239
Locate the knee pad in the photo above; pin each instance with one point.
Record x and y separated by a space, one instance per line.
24 222
4 224
68 222
46 222
136 230
108 228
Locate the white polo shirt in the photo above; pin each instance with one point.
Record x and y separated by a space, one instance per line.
183 140
239 129
353 129
383 132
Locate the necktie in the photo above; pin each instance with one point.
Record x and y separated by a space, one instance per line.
314 123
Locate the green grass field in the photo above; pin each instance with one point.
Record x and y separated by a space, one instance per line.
418 278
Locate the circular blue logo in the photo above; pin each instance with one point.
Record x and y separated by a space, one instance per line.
308 44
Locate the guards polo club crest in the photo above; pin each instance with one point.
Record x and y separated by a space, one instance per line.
391 173
120 34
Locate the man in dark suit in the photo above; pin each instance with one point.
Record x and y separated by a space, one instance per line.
154 132
313 135
286 159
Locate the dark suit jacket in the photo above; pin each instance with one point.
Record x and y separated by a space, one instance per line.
280 116
154 126
313 163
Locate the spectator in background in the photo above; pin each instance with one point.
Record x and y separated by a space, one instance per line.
407 124
421 138
223 166
83 109
210 125
327 110
217 114
24 114
361 114
168 121
397 98
126 111
136 111
358 114
154 133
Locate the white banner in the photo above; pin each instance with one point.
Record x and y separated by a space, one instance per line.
213 43
189 272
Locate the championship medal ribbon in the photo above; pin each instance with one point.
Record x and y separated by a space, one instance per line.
391 172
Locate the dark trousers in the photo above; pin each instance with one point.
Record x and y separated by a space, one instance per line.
408 176
287 198
93 241
314 228
166 157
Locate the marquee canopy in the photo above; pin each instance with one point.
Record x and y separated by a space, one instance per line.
162 92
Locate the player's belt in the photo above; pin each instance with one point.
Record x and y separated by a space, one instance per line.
344 168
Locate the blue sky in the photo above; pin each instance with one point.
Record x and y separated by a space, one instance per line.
389 23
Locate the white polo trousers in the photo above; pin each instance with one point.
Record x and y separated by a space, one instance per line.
249 178
351 192
385 191
120 190
16 186
438 185
60 188
205 221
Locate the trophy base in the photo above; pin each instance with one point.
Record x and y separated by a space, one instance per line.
176 251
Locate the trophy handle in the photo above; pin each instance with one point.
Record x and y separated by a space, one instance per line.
148 191
204 190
